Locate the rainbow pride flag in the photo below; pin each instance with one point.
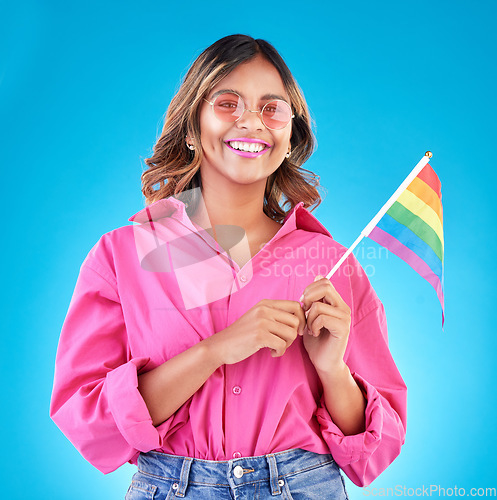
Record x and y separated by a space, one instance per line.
410 225
412 228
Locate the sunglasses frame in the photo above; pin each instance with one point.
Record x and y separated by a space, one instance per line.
260 111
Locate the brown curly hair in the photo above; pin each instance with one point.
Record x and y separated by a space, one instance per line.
175 169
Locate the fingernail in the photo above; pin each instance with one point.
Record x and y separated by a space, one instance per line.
301 298
318 277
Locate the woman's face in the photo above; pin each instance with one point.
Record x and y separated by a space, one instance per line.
257 82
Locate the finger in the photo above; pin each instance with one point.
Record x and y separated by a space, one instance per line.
321 308
280 316
322 289
276 345
326 313
281 330
335 326
291 306
288 307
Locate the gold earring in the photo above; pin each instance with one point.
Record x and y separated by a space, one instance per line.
191 147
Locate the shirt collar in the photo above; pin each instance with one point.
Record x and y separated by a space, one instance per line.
298 217
166 207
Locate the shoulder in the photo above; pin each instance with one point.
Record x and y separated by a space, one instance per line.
109 242
108 248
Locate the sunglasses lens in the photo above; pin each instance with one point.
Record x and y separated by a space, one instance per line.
228 107
276 114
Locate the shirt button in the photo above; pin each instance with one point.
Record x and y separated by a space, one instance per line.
238 471
243 278
237 454
237 390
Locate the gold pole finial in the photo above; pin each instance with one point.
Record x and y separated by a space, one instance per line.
429 154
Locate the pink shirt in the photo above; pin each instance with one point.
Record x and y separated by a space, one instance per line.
151 290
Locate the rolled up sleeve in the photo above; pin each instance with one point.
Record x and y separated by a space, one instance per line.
128 408
363 457
95 399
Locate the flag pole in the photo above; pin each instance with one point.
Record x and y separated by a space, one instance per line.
365 232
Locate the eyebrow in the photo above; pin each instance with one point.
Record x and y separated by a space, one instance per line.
265 97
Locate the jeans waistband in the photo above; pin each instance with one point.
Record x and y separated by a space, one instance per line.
235 472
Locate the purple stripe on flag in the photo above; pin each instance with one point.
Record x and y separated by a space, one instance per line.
408 256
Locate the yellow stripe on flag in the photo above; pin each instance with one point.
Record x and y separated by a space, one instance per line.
422 210
425 193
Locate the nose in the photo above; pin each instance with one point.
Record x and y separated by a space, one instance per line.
251 120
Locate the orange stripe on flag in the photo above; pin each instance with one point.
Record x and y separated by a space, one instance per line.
425 193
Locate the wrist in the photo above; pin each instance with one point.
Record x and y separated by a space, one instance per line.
334 373
212 351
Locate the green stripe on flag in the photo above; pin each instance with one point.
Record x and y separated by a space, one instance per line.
418 226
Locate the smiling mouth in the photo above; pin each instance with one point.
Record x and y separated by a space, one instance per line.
248 148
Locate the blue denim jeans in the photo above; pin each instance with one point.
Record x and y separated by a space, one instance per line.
293 474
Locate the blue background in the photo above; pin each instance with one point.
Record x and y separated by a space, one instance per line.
83 89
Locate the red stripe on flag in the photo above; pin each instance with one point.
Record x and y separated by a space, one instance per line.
429 176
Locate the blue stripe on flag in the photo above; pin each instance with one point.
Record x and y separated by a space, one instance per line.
411 241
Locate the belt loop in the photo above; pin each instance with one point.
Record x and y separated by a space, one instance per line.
185 472
273 473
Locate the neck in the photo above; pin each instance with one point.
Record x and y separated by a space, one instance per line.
238 206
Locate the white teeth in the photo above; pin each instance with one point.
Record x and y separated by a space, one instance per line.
249 147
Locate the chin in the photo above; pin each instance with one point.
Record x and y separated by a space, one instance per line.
248 177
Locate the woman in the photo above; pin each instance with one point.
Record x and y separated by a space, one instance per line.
186 348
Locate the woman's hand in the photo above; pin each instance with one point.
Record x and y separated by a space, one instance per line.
270 323
325 338
327 325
